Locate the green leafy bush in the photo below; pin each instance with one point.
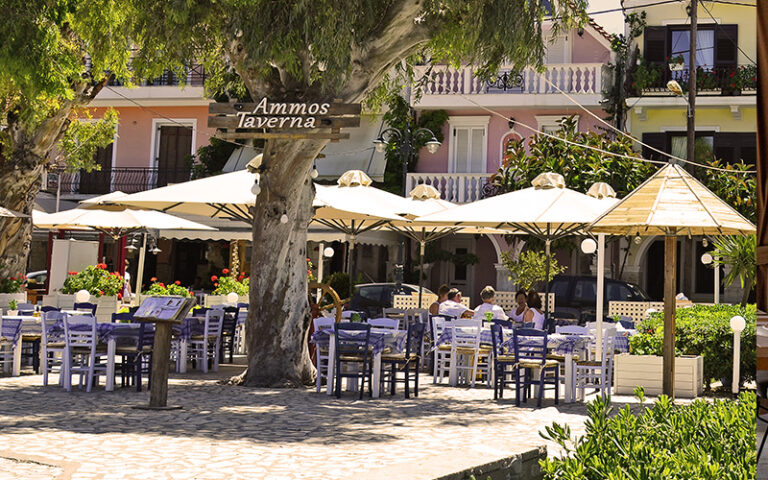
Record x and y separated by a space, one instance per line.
530 268
97 280
702 440
339 281
12 284
226 284
161 289
702 330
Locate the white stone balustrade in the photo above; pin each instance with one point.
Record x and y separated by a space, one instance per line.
454 187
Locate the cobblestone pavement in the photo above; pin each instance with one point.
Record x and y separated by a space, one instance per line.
245 433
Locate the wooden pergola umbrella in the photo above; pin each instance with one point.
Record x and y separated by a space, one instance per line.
671 203
425 200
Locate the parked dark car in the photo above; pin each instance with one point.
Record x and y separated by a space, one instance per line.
37 280
575 295
371 298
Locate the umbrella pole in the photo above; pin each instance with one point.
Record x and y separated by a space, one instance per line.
422 243
600 293
670 273
140 266
351 255
546 280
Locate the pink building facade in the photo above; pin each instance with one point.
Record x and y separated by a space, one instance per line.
483 117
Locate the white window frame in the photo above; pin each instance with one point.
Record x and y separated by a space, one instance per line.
475 121
567 46
169 122
543 121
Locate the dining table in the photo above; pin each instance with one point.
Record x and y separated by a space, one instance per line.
381 339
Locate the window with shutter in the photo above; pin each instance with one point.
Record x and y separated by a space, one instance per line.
468 144
726 38
655 48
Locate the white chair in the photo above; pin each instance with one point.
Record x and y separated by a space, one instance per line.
389 323
396 313
321 354
206 346
598 373
81 355
442 363
6 349
465 350
51 347
416 315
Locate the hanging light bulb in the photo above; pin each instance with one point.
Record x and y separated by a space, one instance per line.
155 250
704 242
284 217
313 174
638 240
256 188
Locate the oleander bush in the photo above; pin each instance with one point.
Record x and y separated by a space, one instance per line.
161 289
96 279
703 440
226 284
703 330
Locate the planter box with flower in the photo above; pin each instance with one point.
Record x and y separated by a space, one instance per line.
676 63
160 289
226 284
11 289
106 289
704 346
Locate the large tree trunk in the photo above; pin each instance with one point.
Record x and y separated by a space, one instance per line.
20 179
279 314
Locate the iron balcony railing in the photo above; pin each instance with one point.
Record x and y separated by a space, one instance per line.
651 80
193 76
124 179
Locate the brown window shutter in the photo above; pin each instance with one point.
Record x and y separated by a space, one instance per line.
655 47
726 41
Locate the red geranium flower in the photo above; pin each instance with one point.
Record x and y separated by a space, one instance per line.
119 296
153 279
214 278
177 282
101 292
225 271
13 279
216 284
161 284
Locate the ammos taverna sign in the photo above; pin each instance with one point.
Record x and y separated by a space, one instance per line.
289 119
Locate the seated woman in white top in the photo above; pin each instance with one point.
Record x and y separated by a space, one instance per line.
487 296
453 306
517 313
534 311
442 295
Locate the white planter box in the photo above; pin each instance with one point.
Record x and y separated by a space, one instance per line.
211 300
5 298
630 371
105 307
60 300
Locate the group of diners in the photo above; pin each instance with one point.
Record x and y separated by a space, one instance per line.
528 309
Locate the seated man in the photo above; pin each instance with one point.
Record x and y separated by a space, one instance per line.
487 296
453 306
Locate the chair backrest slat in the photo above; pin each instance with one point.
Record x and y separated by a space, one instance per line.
214 320
352 338
80 331
323 323
530 344
390 323
571 330
466 333
86 307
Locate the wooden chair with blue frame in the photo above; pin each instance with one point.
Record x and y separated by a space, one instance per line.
353 342
504 363
409 362
531 354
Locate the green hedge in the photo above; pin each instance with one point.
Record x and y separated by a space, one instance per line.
702 440
703 330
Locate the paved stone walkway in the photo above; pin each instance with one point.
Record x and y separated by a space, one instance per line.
227 432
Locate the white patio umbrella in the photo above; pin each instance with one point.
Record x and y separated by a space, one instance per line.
115 223
547 210
353 206
4 212
424 200
671 202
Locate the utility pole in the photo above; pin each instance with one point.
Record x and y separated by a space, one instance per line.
692 83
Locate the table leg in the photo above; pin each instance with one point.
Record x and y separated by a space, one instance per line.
452 370
16 370
331 364
376 375
111 347
568 378
182 358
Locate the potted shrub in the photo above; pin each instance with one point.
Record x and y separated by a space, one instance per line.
226 284
704 349
106 289
12 290
13 307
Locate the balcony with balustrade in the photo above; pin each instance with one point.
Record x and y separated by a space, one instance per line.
454 187
446 86
169 89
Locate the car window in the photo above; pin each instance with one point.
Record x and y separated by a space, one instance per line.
372 294
618 292
560 288
585 290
